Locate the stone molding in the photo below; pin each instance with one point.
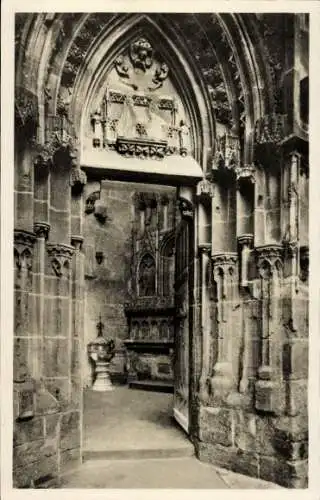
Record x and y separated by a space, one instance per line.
41 229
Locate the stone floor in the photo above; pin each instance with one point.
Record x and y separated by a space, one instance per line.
128 423
131 441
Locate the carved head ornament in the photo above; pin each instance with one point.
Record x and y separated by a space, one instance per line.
141 54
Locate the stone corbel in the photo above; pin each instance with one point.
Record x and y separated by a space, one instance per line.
245 243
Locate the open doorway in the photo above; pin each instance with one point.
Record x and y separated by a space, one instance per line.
130 233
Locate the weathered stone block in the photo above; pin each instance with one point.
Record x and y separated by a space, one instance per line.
228 458
45 402
265 436
27 453
56 357
288 474
27 431
269 396
245 430
59 388
52 426
216 425
70 430
35 472
69 460
296 359
75 357
298 397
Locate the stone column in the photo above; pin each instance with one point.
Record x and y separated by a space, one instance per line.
268 397
224 268
77 312
25 336
57 365
205 255
245 243
41 230
205 193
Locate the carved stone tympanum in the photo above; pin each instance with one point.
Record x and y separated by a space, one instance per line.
141 115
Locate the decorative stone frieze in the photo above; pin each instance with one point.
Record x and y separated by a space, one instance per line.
270 266
245 242
42 229
60 257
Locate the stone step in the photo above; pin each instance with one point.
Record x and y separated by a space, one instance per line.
152 385
139 454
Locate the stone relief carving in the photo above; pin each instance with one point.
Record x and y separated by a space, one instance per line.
139 116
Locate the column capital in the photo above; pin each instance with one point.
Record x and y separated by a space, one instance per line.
24 238
41 229
245 240
204 249
224 259
77 241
